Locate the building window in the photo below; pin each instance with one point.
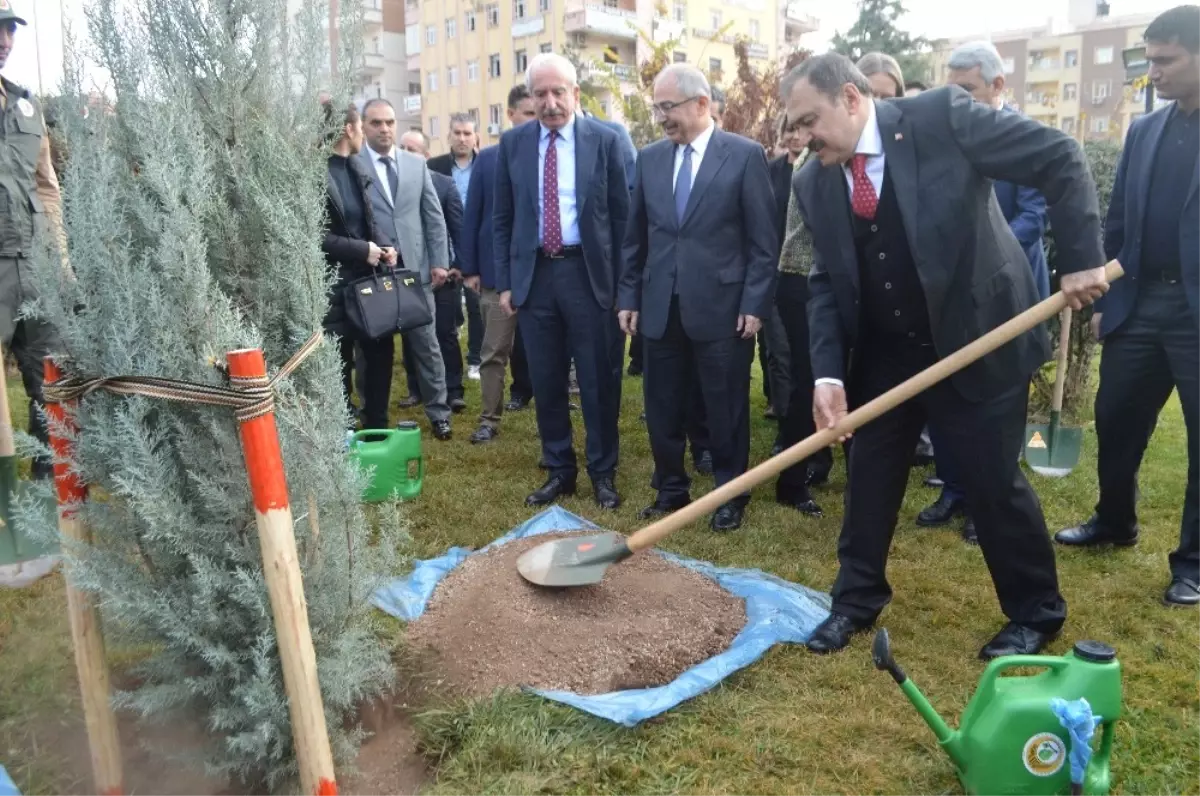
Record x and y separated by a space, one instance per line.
610 3
431 81
494 115
679 57
451 28
544 6
431 35
1071 58
679 10
1070 91
1099 124
474 114
1103 55
414 89
545 47
493 15
714 16
472 71
494 65
754 30
605 108
451 75
470 20
714 68
518 9
1101 90
1010 66
1068 125
435 127
520 61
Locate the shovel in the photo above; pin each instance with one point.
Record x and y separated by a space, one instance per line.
583 560
1052 450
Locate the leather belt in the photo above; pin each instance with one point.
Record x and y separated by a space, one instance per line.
561 254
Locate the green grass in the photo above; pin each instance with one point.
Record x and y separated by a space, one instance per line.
792 722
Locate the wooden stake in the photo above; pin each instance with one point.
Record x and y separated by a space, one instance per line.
273 514
86 633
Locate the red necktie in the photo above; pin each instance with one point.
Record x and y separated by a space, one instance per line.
551 220
864 200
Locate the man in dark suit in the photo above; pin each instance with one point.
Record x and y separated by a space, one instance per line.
697 279
447 298
977 68
561 207
912 261
1148 322
477 257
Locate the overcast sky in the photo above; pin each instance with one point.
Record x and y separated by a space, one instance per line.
932 18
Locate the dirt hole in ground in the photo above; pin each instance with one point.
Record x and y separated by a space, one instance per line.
648 621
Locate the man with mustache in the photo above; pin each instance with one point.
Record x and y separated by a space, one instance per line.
561 203
698 276
912 261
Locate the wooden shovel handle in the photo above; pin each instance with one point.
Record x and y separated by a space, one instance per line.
1039 313
7 446
1064 344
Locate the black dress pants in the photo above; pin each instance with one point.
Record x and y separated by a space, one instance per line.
375 377
791 299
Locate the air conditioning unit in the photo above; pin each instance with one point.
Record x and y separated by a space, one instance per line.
493 129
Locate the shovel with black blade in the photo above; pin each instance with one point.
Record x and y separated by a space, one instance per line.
1051 449
583 560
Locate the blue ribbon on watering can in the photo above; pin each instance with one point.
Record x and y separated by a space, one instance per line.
1077 719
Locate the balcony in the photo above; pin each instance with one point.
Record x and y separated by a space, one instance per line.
529 26
625 73
795 18
1040 104
709 34
666 30
616 23
756 50
412 104
372 63
372 15
1043 67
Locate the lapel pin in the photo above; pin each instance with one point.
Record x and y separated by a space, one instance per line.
899 136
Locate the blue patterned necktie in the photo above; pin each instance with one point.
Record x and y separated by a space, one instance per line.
683 184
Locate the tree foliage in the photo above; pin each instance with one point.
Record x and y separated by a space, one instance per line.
875 30
753 105
194 212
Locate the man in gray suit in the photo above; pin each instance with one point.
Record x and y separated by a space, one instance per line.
409 218
698 277
912 260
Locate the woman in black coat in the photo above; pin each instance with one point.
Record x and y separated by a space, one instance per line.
352 254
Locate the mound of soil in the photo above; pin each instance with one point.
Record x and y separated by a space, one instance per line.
649 620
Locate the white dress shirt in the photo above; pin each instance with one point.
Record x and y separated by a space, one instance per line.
870 143
568 206
699 147
382 173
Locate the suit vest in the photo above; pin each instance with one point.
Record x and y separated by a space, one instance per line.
893 308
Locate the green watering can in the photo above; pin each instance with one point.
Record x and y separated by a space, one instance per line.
393 458
1010 739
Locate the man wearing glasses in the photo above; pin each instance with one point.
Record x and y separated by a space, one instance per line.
698 276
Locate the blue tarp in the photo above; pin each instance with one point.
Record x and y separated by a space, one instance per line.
7 786
776 611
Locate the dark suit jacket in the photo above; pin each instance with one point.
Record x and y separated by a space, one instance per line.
628 150
726 251
1025 210
476 255
1126 220
781 186
602 198
346 256
942 151
452 209
442 164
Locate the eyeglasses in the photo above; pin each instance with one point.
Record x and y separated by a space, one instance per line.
663 108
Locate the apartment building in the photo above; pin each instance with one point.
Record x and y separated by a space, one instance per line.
471 52
1070 76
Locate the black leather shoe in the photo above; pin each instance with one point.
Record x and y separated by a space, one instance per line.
555 487
833 634
606 493
484 434
1182 591
661 508
703 463
801 503
940 512
441 429
457 405
1016 639
516 404
1092 533
727 518
968 532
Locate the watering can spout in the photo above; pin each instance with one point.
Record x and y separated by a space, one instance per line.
881 652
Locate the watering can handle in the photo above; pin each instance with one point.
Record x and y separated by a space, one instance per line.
988 680
374 432
1039 313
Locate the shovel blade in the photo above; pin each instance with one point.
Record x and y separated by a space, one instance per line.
1052 454
576 561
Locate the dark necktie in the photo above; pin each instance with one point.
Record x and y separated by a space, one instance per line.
551 220
393 177
864 200
683 184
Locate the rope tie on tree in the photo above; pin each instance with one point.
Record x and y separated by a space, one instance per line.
248 397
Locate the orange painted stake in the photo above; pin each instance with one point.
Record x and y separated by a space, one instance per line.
86 634
281 566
